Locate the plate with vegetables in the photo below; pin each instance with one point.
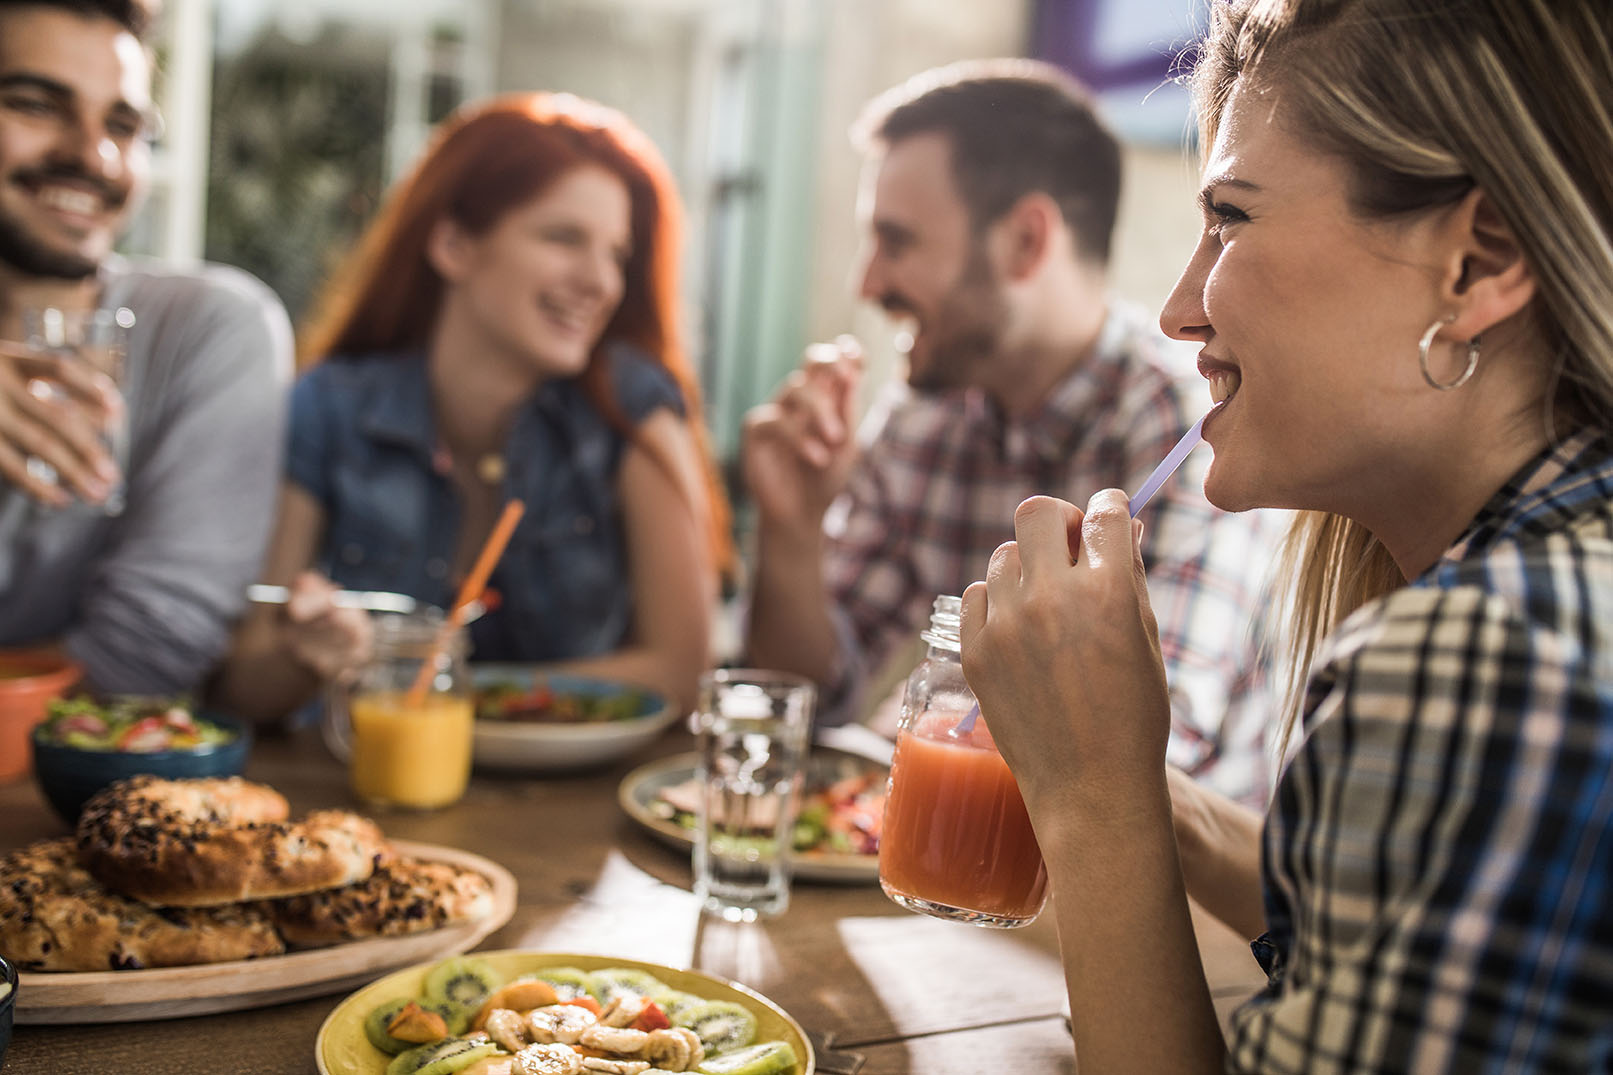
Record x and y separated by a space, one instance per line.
836 835
528 720
474 1014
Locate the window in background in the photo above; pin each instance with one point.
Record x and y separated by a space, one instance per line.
299 114
316 107
758 201
296 159
288 119
169 225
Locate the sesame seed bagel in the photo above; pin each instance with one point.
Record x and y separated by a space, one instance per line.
199 843
402 896
55 917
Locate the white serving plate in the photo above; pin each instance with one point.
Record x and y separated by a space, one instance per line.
535 747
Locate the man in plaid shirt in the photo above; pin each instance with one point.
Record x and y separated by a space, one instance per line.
990 199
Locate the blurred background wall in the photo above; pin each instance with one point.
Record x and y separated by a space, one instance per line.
287 119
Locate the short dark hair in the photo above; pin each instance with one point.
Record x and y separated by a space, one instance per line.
1015 126
135 16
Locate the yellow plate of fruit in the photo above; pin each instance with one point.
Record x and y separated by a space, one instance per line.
517 1012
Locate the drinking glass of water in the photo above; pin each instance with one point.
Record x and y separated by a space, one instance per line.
753 726
100 338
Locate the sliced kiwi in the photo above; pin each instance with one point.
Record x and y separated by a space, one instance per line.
457 1018
765 1058
612 982
375 1025
440 1057
460 984
721 1025
569 982
673 1001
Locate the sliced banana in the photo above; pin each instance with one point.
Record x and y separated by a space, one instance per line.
674 1049
623 1009
508 1028
613 1039
614 1067
544 1059
564 1023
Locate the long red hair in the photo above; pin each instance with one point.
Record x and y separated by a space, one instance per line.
484 161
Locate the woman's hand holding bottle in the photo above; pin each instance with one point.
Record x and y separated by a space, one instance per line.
1061 648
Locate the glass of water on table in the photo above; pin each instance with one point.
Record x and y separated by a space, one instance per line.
100 338
753 727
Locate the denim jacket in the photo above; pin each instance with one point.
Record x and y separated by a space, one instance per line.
363 443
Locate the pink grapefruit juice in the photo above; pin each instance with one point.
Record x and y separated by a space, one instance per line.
956 840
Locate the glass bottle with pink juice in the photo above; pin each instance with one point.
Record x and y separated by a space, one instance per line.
956 841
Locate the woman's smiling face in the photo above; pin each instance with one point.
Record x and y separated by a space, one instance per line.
546 279
1309 317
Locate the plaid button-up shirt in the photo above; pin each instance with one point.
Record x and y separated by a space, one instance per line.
1439 857
935 491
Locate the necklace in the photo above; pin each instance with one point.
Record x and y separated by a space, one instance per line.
490 468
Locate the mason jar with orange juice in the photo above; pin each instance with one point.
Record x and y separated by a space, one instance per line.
956 841
406 735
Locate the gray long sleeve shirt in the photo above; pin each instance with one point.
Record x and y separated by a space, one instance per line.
145 600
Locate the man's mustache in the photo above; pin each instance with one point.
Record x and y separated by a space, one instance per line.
895 303
113 196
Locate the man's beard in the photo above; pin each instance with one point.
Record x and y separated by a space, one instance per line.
27 254
30 256
965 333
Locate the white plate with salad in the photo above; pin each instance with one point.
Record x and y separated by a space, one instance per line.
837 831
534 721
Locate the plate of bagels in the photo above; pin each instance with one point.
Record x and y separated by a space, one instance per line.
184 897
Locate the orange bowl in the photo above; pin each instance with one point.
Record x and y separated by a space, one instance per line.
29 679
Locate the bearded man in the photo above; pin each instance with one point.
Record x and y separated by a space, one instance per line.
988 202
134 502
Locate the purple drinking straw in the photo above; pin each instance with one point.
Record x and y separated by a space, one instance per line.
1168 465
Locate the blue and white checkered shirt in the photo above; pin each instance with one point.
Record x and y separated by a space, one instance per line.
1439 856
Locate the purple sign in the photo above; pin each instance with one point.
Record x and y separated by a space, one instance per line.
1129 52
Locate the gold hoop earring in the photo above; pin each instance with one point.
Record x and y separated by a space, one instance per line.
1422 357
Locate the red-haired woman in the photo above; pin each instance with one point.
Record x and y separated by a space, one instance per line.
506 328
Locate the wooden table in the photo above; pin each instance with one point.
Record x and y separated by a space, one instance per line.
905 992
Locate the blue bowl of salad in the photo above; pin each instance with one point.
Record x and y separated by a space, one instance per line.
83 745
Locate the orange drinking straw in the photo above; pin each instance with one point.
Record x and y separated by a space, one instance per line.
469 591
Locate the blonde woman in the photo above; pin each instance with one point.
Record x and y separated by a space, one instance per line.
1404 296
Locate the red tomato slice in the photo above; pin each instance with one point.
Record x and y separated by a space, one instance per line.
144 736
180 719
651 1018
88 723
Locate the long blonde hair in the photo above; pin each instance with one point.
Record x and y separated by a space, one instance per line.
1424 100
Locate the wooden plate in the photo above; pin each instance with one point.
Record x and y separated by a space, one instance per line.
639 788
342 1049
165 992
